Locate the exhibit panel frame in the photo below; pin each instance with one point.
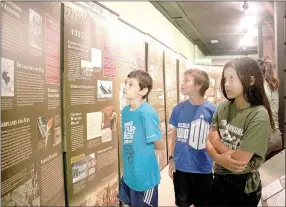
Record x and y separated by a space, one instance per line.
31 140
90 97
156 98
171 91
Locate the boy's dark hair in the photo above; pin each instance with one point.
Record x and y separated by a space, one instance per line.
246 67
144 79
201 78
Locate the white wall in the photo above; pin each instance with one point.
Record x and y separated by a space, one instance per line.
147 18
198 53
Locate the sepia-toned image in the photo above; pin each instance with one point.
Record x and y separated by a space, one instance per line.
106 135
105 195
35 29
57 139
109 118
79 170
86 69
91 164
26 194
104 89
45 125
7 77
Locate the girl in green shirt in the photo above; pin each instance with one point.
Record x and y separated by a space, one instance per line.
238 139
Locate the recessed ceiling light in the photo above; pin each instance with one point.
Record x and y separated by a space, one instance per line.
214 41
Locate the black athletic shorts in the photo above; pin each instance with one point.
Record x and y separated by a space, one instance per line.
228 190
191 188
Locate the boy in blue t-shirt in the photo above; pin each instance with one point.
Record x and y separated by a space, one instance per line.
190 165
141 135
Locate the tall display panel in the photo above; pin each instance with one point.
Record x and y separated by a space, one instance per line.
31 139
156 97
171 90
130 56
90 94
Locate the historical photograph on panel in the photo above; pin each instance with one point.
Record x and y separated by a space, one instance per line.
104 89
91 164
49 131
109 118
57 136
35 29
45 125
7 77
26 194
106 135
79 170
93 124
105 195
86 70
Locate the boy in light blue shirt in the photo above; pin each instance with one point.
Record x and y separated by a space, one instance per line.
141 135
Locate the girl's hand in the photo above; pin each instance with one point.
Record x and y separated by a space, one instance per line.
232 165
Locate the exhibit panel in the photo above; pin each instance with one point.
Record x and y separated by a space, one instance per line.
156 97
31 138
171 90
90 104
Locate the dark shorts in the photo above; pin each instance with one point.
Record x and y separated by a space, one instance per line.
228 190
138 198
191 188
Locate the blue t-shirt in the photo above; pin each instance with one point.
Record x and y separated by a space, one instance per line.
140 128
193 123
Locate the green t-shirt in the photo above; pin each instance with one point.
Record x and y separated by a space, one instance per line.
243 129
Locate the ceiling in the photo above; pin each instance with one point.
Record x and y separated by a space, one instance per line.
202 22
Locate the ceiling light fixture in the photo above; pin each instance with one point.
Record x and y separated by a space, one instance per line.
214 41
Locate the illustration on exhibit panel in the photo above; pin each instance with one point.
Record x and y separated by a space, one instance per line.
83 167
105 195
101 124
49 129
35 29
89 68
104 89
26 194
7 77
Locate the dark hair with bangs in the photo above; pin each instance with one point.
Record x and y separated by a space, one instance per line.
246 67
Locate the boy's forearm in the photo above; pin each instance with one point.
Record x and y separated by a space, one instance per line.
174 139
160 144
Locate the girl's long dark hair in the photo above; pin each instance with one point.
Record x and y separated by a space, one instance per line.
268 72
255 94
